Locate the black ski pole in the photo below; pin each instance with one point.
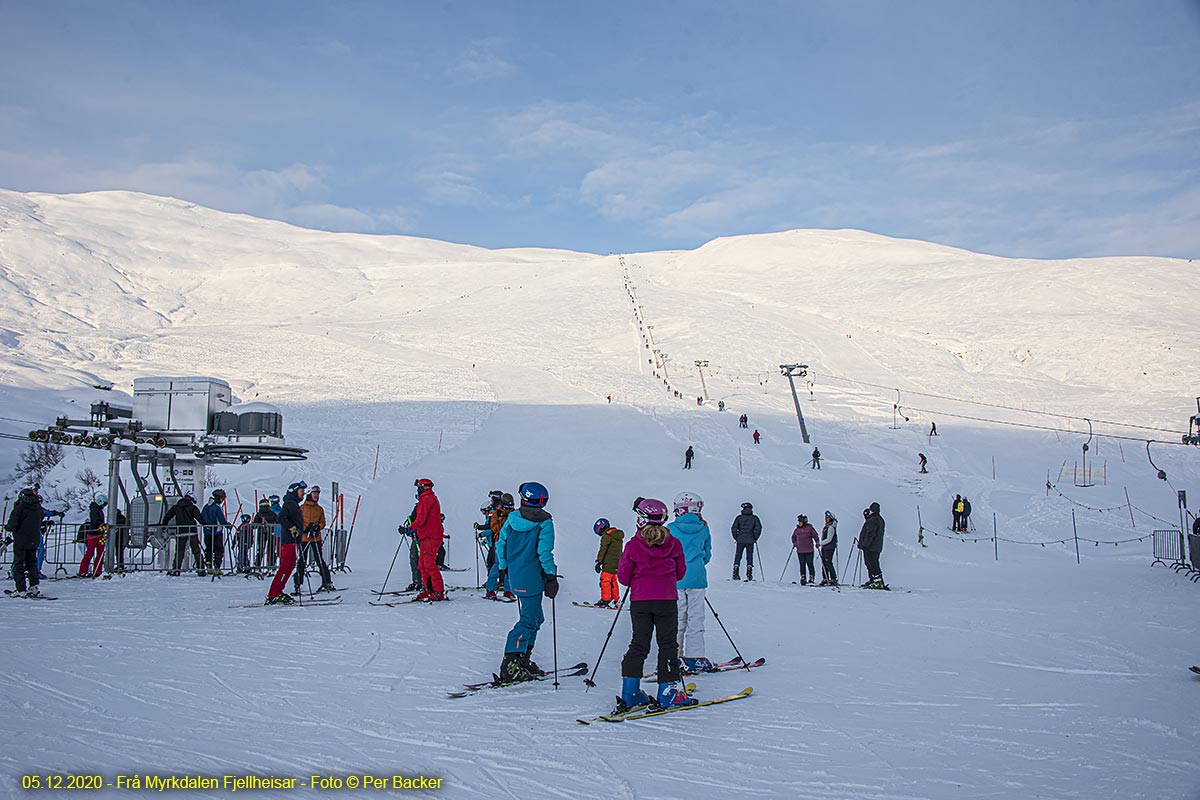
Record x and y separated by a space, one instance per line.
588 680
554 639
785 566
717 617
850 555
389 572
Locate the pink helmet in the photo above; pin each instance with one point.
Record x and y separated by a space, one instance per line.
650 512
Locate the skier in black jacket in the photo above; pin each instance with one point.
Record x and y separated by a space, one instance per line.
25 524
870 541
746 529
186 517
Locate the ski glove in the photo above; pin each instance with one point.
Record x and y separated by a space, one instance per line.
599 569
551 588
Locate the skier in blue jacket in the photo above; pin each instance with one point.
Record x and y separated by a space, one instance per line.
692 532
215 525
525 555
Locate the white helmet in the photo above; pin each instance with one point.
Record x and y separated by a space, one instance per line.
101 499
688 503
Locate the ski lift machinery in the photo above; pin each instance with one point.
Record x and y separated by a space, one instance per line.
174 430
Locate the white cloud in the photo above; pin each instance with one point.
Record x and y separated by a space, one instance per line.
482 61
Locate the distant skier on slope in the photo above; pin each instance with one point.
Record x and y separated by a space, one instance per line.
525 552
692 532
746 529
816 459
924 461
757 436
651 566
688 455
965 519
956 510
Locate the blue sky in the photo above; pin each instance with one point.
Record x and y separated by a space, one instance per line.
1040 129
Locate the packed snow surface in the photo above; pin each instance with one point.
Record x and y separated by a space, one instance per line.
991 670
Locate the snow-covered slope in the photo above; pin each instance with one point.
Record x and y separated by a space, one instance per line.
1018 677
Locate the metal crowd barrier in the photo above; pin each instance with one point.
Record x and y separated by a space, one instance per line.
250 550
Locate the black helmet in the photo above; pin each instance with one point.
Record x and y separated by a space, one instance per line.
507 501
747 506
218 494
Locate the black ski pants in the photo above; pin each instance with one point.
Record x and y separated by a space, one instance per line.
214 547
748 549
659 618
25 564
827 569
871 558
310 553
807 573
191 541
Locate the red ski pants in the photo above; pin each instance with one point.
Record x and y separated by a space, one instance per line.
287 562
431 576
95 547
608 587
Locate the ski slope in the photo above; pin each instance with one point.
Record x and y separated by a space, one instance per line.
1022 676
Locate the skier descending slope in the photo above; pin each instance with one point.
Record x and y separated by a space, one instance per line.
692 532
525 554
651 566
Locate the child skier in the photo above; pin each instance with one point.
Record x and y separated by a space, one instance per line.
525 554
651 566
692 532
608 558
490 534
804 539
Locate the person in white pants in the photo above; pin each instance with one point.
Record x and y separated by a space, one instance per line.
692 532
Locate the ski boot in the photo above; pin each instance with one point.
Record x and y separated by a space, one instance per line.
435 596
33 592
174 573
280 600
533 668
327 587
509 596
490 596
632 697
412 587
672 694
201 573
513 669
803 581
601 604
736 571
749 572
424 595
699 664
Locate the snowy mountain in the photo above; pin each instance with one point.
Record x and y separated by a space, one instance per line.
1007 671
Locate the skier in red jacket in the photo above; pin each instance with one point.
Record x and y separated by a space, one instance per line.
427 524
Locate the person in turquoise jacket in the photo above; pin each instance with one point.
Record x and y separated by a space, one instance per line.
692 532
525 555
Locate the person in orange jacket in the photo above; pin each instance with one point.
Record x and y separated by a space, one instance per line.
427 524
311 541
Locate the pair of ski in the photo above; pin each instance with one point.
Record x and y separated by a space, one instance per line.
593 605
21 596
405 602
326 601
1195 669
497 683
654 710
724 666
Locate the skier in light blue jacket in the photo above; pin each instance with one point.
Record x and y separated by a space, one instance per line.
692 532
525 555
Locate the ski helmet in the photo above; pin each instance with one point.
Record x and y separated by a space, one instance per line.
688 503
601 525
245 518
297 488
533 494
101 499
494 495
189 496
264 502
651 512
506 501
747 507
423 484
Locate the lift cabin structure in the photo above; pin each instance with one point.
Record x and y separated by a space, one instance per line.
174 430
